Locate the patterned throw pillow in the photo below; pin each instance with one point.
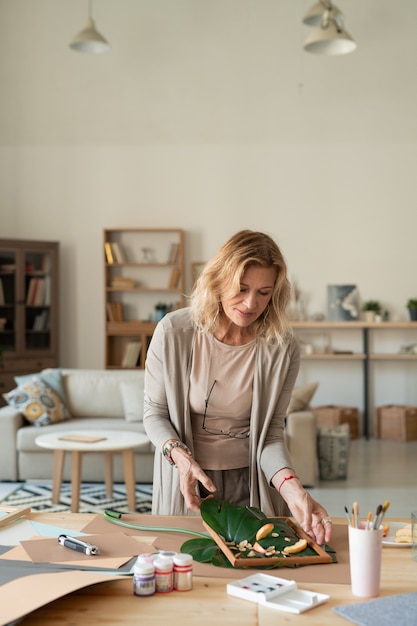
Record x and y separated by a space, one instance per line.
39 404
52 377
333 451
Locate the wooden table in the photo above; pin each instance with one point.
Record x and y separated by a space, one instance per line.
112 441
208 603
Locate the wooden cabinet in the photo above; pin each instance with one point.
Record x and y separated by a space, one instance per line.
369 344
28 308
144 279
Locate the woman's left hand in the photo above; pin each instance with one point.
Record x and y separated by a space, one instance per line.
309 514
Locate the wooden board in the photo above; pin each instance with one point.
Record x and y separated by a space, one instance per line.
321 555
12 513
83 438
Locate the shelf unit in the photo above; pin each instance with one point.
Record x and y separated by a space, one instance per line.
364 352
143 268
28 308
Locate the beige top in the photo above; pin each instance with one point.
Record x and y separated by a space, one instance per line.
221 378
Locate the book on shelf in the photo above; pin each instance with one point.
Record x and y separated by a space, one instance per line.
39 297
122 282
118 253
41 321
131 354
36 292
2 301
175 278
114 311
173 254
31 291
108 252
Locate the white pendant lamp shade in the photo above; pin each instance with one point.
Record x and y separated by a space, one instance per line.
90 40
331 40
314 15
330 37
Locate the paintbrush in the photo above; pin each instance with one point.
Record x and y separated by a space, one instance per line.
347 515
377 516
355 510
384 510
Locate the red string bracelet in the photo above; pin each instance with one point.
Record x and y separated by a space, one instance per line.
286 478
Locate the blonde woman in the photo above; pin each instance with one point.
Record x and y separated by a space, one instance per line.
218 380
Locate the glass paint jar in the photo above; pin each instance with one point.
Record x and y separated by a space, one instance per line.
164 575
183 572
143 579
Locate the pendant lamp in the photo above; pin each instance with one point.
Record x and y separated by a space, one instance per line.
314 15
89 40
330 38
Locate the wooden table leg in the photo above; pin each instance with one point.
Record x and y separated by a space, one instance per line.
59 456
75 480
129 471
108 473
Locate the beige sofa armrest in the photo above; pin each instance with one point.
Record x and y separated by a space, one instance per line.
10 422
301 439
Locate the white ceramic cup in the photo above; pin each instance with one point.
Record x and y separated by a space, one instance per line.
365 555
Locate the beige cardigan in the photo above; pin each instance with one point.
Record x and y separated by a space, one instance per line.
167 412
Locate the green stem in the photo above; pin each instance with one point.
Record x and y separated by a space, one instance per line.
110 517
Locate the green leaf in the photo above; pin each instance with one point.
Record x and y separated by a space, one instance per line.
202 550
233 523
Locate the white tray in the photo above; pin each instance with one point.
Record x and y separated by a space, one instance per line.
275 593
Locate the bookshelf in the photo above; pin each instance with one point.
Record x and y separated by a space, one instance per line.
376 347
28 308
143 272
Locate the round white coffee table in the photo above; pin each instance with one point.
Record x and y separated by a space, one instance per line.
82 441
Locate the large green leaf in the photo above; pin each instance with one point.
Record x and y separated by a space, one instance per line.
202 550
233 523
236 524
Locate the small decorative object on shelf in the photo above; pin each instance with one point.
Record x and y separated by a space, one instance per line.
160 310
412 309
342 303
147 255
371 309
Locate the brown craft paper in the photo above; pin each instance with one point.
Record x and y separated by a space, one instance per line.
23 595
119 546
321 573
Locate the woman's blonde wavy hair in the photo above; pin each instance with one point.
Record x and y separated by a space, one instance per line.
221 279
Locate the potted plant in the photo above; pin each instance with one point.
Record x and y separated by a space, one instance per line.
412 308
160 310
371 308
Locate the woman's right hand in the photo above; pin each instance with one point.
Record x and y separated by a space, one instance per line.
190 474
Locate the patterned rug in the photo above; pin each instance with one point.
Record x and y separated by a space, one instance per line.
93 497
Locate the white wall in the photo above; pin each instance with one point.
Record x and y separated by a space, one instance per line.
207 115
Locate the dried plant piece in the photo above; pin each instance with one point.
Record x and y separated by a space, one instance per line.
296 547
264 531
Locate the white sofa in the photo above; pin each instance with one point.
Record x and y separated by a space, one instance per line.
94 400
113 399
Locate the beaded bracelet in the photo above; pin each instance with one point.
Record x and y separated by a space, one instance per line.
174 443
285 479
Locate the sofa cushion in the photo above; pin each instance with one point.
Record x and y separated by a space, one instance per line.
132 398
301 397
51 377
97 393
37 402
